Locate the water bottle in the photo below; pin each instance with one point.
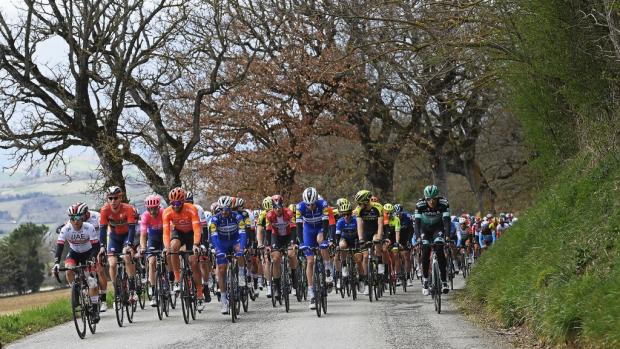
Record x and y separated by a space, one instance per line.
92 282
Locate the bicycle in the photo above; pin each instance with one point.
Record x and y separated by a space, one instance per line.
319 285
372 276
162 284
449 263
232 285
122 302
141 281
435 279
189 298
351 281
82 308
302 279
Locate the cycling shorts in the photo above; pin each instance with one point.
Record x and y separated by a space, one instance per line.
224 247
116 243
77 258
187 239
310 240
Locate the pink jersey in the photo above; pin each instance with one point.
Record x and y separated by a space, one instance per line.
150 224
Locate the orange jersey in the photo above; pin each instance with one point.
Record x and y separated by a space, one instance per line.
185 221
118 221
386 218
330 216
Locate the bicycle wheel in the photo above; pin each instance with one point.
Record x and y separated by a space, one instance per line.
93 312
324 293
119 302
185 297
157 288
437 286
245 298
141 291
130 306
232 294
271 285
370 282
77 308
353 282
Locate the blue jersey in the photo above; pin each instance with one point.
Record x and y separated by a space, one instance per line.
406 221
227 228
312 218
347 230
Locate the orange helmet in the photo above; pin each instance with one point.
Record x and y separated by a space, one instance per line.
176 194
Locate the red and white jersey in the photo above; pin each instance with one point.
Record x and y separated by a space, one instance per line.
79 240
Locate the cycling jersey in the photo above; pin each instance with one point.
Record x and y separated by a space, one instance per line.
432 220
122 224
369 217
347 230
153 226
281 225
226 232
184 222
312 218
81 240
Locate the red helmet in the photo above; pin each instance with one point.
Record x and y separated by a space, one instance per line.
176 194
79 208
278 201
152 201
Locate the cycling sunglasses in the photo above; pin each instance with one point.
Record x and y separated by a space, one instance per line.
113 198
176 203
76 218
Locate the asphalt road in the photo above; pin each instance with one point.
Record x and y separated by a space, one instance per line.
404 320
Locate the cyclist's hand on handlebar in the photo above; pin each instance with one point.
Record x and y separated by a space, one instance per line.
55 268
196 249
101 251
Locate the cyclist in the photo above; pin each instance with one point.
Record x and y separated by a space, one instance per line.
502 225
121 219
392 237
204 261
313 223
83 245
263 239
369 216
151 237
487 236
228 236
346 234
432 222
404 239
182 229
281 220
237 206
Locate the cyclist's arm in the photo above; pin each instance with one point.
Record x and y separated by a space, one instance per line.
196 227
481 241
360 228
60 245
166 235
380 226
397 229
494 236
242 235
103 234
213 230
459 236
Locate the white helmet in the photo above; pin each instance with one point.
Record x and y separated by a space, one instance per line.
462 220
224 201
310 195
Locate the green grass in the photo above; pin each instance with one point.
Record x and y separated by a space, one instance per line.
16 326
557 271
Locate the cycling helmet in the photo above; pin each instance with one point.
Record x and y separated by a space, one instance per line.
277 201
215 207
189 196
267 203
374 199
240 202
431 192
152 201
224 201
341 200
389 208
114 190
362 196
292 207
176 194
233 202
397 208
344 206
79 208
310 195
462 220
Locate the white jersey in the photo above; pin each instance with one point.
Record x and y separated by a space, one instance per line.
79 240
201 215
94 219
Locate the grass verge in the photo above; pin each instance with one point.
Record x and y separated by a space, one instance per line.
557 272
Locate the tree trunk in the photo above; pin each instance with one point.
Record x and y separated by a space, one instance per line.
467 165
111 167
439 166
285 181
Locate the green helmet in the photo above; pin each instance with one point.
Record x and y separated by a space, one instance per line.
389 208
344 206
267 203
363 196
431 192
341 200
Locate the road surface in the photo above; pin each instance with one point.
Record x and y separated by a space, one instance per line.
405 320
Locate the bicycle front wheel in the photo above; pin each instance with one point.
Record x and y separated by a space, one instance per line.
77 308
185 298
119 302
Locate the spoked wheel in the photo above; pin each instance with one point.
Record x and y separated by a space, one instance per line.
437 288
353 285
300 283
232 294
78 310
272 286
318 295
130 305
323 294
92 314
245 298
141 291
158 299
193 297
119 302
185 298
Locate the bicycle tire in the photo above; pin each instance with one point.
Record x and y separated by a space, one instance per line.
285 282
232 292
370 279
156 290
271 285
437 286
317 289
119 304
141 291
92 325
77 308
130 306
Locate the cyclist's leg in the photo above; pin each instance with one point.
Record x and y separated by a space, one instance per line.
175 246
341 255
441 258
327 262
115 245
276 259
130 266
